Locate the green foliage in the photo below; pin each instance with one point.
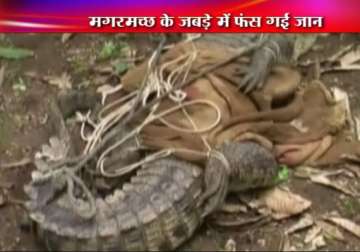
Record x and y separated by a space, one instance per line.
112 50
121 68
283 174
351 206
107 50
15 53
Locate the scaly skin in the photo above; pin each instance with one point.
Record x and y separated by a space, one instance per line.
157 210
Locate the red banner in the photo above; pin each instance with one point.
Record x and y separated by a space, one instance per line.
177 16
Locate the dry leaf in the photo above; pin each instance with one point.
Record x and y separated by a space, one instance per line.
346 224
354 169
350 58
351 158
347 61
233 208
330 231
306 172
230 245
262 242
342 97
62 82
340 53
317 242
2 75
316 239
305 222
283 203
65 37
312 234
323 179
287 245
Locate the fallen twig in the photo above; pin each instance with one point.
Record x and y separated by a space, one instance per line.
15 164
2 75
340 53
323 179
331 59
346 224
238 223
351 158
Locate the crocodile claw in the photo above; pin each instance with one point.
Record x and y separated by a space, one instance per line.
253 80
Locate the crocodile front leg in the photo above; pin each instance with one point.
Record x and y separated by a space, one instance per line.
275 49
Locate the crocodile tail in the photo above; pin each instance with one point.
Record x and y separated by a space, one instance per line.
155 211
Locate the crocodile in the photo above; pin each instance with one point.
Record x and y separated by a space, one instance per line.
158 209
162 205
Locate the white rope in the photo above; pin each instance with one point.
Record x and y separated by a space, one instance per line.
151 118
113 104
106 123
85 120
195 130
157 84
129 168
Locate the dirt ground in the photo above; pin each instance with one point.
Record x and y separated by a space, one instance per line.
24 128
